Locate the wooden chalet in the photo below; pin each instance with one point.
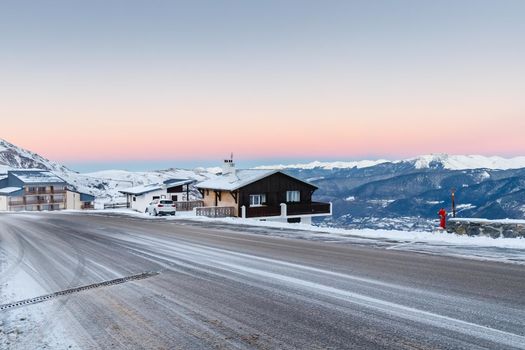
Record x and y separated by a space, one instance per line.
264 194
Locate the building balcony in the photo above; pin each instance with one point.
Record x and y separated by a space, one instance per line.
313 208
289 209
43 201
44 192
262 211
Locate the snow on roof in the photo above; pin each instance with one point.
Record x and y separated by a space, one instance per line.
7 190
35 177
177 182
137 190
142 189
241 178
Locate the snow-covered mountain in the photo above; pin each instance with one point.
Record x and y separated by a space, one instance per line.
462 162
104 185
444 161
12 156
388 194
327 165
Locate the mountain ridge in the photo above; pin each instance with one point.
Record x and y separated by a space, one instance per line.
446 161
402 194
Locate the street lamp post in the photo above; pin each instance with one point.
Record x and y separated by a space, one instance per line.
453 195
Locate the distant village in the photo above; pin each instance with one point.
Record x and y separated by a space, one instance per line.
247 193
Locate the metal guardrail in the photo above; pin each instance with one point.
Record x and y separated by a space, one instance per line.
215 212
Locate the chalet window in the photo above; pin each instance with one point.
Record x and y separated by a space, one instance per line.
134 199
293 196
175 198
257 200
156 197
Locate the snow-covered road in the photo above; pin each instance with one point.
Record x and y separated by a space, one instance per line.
220 287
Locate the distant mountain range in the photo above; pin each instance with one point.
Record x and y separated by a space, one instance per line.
416 189
445 161
401 194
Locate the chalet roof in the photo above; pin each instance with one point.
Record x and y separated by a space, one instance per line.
8 190
241 178
36 177
138 190
178 182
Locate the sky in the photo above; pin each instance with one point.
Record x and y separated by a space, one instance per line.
152 83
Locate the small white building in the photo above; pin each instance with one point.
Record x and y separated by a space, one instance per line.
79 201
139 197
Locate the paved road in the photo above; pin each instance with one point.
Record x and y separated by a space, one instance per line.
225 289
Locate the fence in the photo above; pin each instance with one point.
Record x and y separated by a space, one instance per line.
115 205
215 212
188 206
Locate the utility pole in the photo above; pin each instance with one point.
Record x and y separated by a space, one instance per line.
453 194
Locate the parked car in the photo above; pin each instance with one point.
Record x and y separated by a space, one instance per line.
161 207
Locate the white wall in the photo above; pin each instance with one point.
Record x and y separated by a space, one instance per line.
3 203
73 200
141 202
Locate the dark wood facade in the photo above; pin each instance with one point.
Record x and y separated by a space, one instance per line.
275 187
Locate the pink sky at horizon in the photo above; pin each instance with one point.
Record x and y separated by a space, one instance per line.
273 80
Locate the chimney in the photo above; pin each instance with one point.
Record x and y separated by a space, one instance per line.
228 167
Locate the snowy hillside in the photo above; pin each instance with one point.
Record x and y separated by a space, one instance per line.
104 185
12 156
445 161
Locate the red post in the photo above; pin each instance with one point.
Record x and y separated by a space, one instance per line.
443 218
